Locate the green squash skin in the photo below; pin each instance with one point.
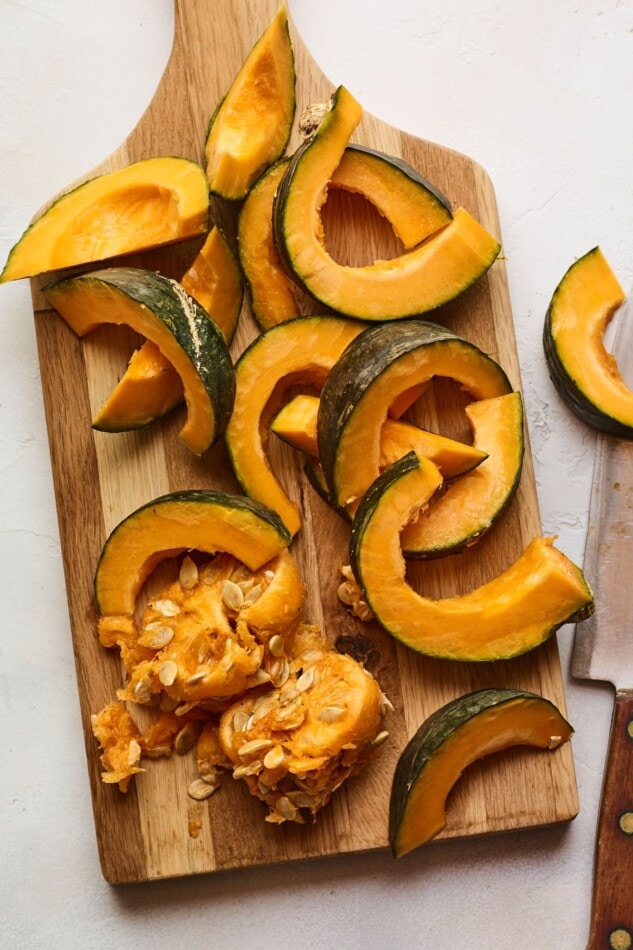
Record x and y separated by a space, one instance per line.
362 363
397 166
195 498
439 728
281 197
472 534
569 391
373 497
201 339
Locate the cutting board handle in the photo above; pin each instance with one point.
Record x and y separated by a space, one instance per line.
612 912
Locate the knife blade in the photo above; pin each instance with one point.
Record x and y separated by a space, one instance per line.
603 650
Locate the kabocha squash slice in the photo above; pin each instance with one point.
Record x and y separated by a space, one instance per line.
202 520
414 208
271 291
151 387
472 503
450 740
300 351
509 615
147 204
296 424
584 373
383 363
415 282
161 310
251 126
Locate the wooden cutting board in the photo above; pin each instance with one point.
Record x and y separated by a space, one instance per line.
99 478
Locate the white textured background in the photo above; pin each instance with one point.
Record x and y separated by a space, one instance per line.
541 94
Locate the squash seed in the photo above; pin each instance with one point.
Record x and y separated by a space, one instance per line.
232 595
306 680
379 739
301 799
253 594
276 645
240 718
269 576
199 789
156 636
254 746
286 809
133 752
168 608
274 757
185 739
280 671
196 677
142 692
167 672
188 575
331 713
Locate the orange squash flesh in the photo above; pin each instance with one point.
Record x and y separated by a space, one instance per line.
413 208
272 292
471 504
449 742
510 614
296 423
584 372
150 386
144 205
302 350
251 126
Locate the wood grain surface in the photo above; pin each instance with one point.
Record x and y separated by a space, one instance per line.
99 478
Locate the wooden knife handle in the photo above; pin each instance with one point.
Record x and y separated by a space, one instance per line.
612 911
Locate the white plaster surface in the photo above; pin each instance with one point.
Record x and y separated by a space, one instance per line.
541 94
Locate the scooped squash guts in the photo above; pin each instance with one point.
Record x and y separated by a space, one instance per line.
509 615
223 658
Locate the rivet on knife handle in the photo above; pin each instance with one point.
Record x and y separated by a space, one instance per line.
612 912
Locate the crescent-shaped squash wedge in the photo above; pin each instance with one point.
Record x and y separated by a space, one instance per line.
144 205
585 374
436 271
151 387
414 208
202 520
382 364
161 310
509 615
471 504
300 351
251 127
296 424
450 740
